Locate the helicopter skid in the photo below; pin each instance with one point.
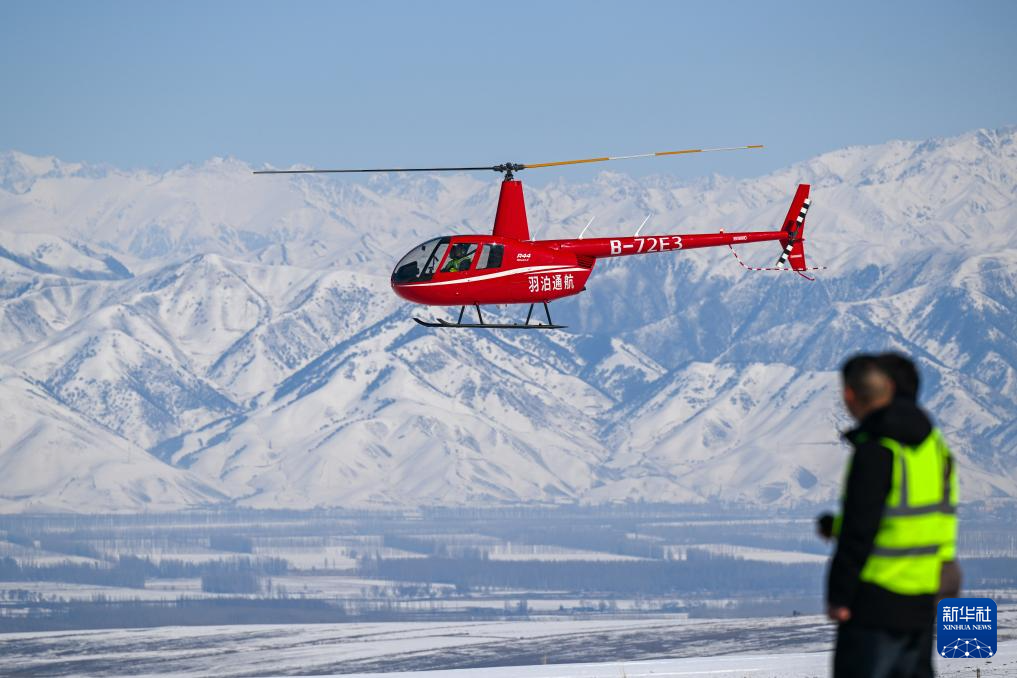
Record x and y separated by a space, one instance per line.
489 326
445 324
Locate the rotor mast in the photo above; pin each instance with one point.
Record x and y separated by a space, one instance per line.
510 219
508 168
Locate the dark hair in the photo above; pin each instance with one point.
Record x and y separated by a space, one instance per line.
859 374
903 372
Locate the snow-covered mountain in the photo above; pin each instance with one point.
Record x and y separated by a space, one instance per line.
53 458
235 334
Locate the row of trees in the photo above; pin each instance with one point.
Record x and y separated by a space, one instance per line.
233 575
701 572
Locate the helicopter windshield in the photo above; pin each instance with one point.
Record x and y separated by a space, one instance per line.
421 262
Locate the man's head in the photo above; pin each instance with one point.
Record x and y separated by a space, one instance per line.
903 373
867 386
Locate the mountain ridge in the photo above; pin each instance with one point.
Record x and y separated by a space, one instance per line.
256 348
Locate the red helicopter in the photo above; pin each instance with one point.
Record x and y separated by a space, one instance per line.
507 267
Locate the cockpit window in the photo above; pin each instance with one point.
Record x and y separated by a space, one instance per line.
491 256
421 261
460 257
435 258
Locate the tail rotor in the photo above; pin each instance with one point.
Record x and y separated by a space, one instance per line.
792 237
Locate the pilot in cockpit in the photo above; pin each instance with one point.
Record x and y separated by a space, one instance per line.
459 258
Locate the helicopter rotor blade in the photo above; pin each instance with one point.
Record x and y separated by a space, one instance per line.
508 168
640 155
390 169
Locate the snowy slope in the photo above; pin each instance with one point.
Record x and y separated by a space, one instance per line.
768 647
47 254
257 344
52 458
400 415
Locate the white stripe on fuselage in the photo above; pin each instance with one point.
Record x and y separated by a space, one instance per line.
555 268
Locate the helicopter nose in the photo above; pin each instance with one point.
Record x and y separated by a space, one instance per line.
406 292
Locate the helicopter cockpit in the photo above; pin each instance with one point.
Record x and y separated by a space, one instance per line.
421 262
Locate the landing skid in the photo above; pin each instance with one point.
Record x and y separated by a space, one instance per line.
445 324
490 326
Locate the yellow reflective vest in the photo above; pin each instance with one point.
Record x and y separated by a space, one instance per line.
918 530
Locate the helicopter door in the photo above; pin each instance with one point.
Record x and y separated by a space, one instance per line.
460 257
491 256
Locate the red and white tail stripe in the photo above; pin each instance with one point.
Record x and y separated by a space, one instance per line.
793 235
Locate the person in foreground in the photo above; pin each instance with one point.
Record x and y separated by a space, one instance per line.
896 528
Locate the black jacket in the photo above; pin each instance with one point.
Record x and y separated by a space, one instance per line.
868 483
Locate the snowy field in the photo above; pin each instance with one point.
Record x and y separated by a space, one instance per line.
751 553
786 665
786 646
366 648
555 553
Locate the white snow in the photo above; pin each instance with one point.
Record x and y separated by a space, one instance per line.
52 457
795 647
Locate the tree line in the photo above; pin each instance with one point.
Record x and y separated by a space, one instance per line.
701 572
233 575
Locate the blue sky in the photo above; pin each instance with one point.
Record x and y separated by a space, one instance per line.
334 84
